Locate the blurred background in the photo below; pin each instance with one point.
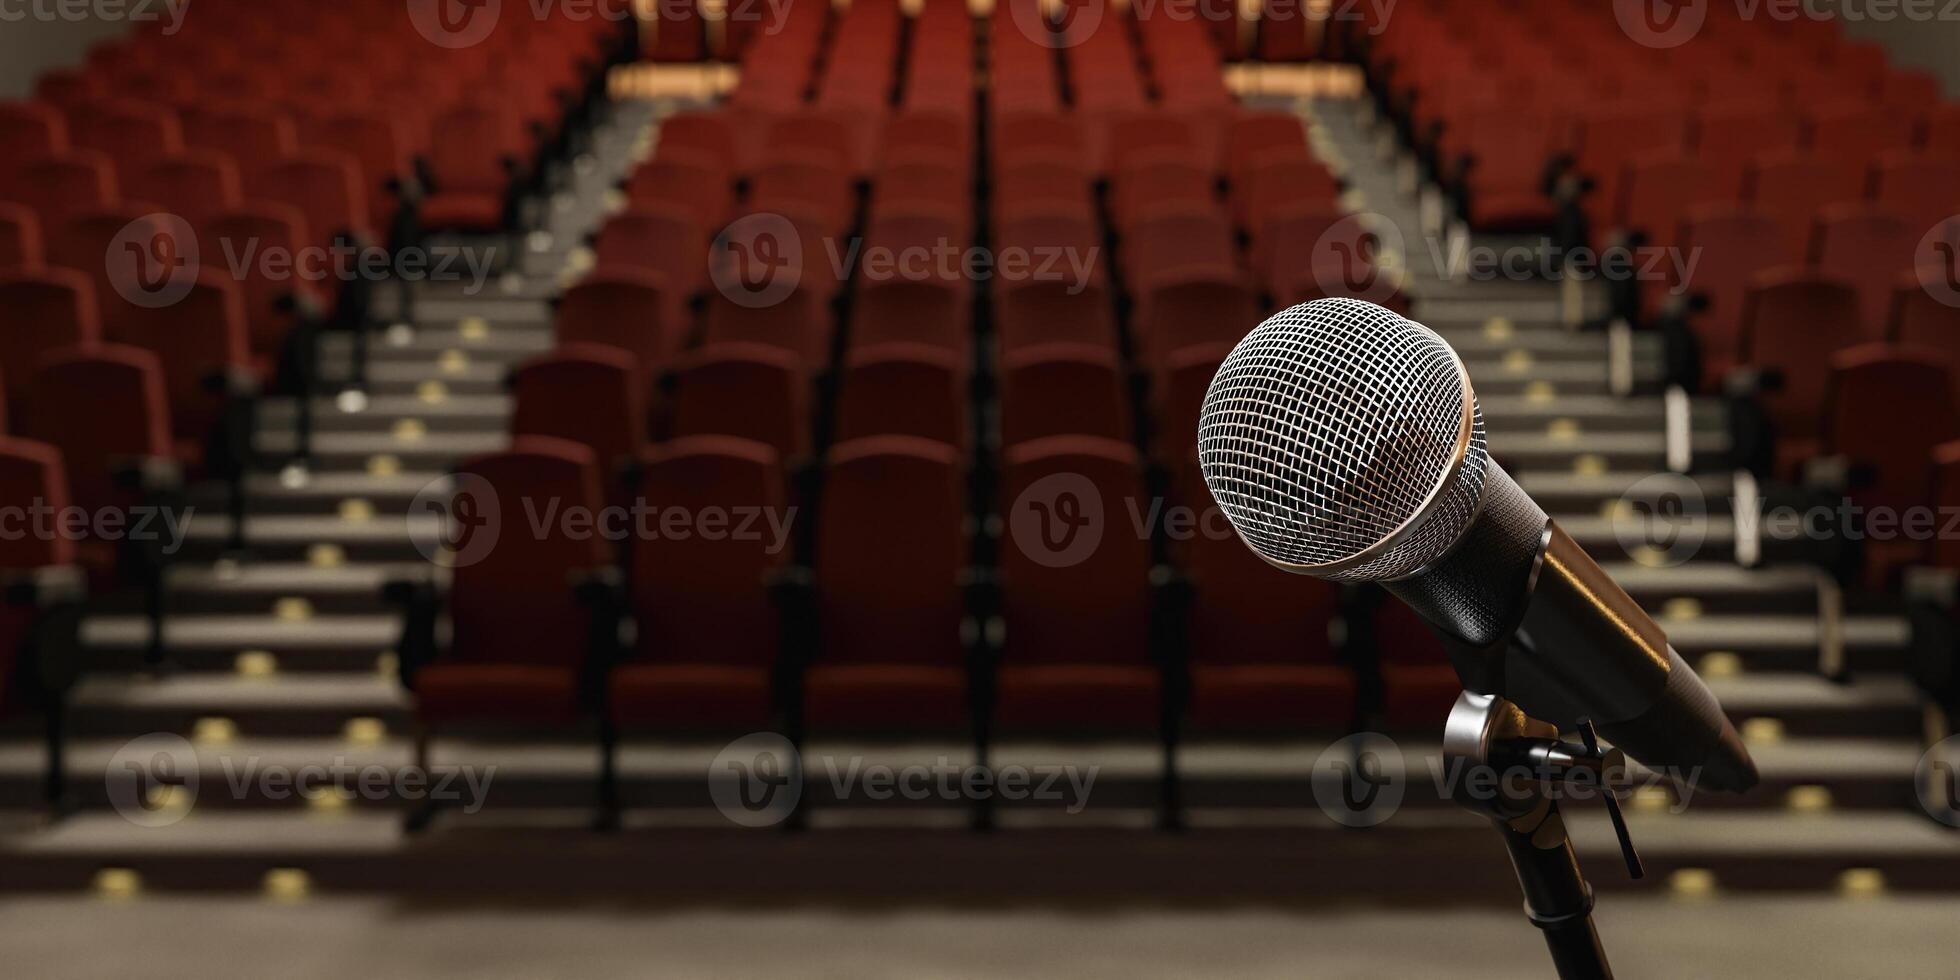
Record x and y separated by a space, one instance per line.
709 487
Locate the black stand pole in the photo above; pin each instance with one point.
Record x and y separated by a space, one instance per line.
1557 899
1486 731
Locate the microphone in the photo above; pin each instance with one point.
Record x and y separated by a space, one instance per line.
1343 441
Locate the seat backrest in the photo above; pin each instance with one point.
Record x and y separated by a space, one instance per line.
903 389
697 132
468 145
1075 574
1181 387
1735 244
29 130
1730 134
326 187
933 312
819 188
1853 131
1063 389
622 308
42 311
1867 248
1919 188
266 241
67 184
700 597
1791 323
1922 315
515 603
1170 243
1200 308
125 129
799 324
1659 189
255 136
660 238
104 407
20 237
193 338
686 179
379 147
1873 389
1793 187
1044 311
30 474
892 595
754 392
196 185
1254 133
590 394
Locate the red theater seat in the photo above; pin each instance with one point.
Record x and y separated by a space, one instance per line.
1735 245
20 238
131 132
798 324
1791 323
197 185
1180 395
890 653
1920 189
255 137
1793 187
1867 248
659 238
258 236
41 312
1730 135
754 392
66 185
1047 311
622 308
103 406
520 638
1056 389
686 179
590 394
1201 308
1079 653
1872 387
903 389
1261 655
933 312
708 637
476 154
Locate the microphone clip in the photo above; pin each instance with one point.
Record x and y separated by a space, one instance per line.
1514 769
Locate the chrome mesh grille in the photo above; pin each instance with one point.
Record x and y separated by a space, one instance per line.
1329 427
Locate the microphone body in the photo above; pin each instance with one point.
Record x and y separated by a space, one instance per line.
1528 616
1345 442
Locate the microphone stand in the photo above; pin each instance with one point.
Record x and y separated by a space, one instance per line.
1487 741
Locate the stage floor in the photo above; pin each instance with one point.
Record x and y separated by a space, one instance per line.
202 939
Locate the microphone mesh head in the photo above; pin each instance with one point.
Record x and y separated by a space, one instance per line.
1343 441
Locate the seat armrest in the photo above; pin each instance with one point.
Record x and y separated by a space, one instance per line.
421 600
